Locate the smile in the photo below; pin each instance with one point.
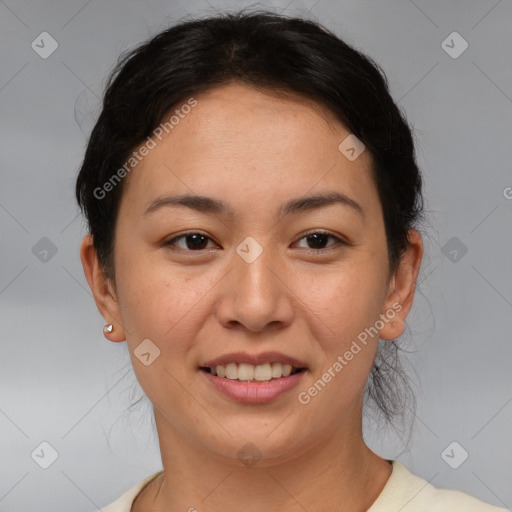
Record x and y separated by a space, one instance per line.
249 372
251 390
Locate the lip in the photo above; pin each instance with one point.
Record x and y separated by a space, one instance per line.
254 359
253 392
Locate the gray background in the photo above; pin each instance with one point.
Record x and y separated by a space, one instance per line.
63 383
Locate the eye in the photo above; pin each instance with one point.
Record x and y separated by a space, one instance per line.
318 240
192 241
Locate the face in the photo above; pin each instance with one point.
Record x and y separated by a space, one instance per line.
259 272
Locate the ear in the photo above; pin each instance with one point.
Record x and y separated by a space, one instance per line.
401 288
102 290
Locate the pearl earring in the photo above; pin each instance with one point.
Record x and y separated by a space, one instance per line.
108 328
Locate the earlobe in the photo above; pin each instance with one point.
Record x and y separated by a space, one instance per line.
393 328
402 288
104 296
112 334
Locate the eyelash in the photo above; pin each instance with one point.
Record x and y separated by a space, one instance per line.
338 240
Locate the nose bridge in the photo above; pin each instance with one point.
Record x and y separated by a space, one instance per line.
254 295
254 268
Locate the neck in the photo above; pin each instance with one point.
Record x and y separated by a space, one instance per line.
340 473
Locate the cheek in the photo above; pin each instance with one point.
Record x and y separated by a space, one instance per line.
346 309
346 301
165 308
158 302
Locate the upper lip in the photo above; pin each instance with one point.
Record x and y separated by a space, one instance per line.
254 359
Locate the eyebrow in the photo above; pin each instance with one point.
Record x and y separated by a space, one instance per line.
210 205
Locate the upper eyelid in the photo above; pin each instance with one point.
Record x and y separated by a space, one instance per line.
184 235
339 240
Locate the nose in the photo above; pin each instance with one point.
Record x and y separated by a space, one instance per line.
255 296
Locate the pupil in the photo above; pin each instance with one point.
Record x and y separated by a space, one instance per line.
197 241
319 238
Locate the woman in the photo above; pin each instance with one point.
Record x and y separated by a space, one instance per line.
253 199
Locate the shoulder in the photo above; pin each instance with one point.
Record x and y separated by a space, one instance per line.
125 501
408 492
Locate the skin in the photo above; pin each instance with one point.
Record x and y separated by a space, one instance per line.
255 151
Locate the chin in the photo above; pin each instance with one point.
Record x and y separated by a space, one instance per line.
264 447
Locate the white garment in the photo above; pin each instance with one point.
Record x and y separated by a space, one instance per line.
403 492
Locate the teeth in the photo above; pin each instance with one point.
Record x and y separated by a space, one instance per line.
249 372
245 371
232 371
277 370
263 372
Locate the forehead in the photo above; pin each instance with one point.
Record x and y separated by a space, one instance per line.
250 144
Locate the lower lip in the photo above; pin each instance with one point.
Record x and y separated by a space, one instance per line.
254 392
